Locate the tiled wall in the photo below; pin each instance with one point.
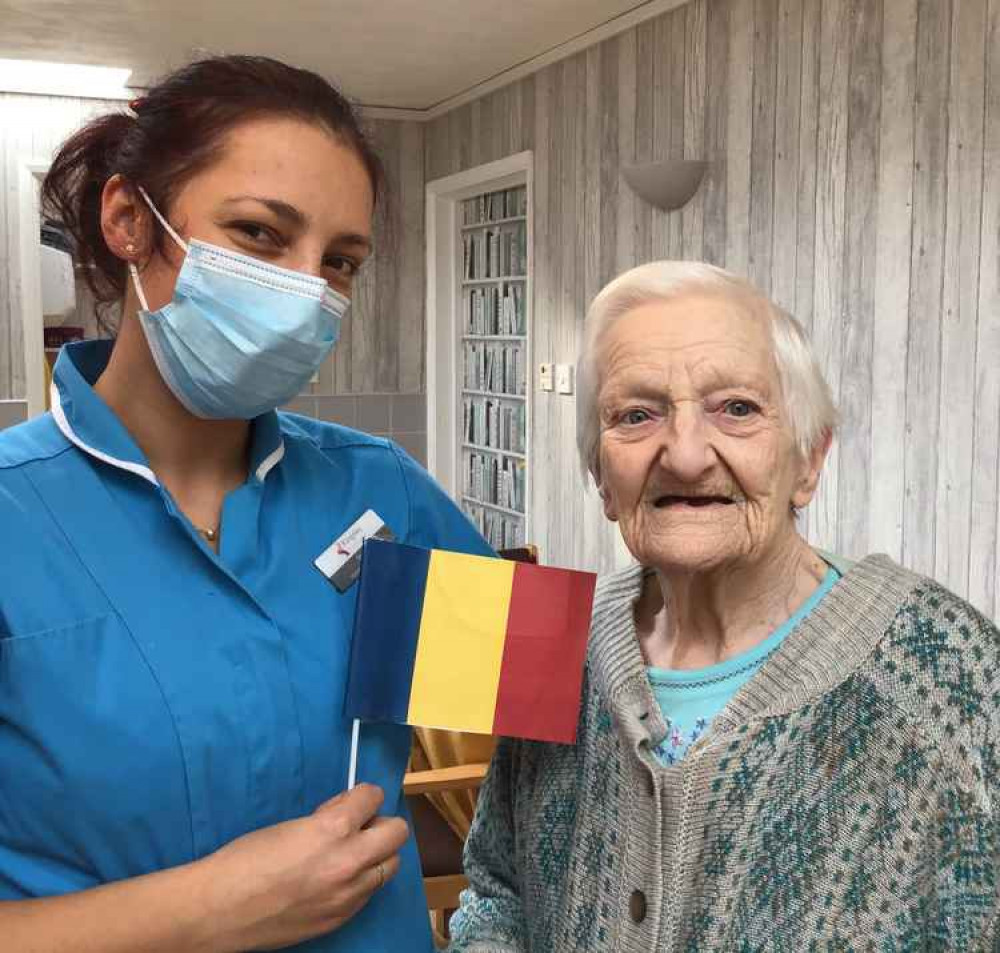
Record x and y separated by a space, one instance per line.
401 417
12 412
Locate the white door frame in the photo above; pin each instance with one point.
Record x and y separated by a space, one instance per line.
442 313
28 298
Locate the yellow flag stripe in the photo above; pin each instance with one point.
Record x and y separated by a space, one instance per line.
456 673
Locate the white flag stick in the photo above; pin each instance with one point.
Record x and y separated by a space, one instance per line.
352 771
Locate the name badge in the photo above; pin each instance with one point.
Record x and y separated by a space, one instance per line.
341 562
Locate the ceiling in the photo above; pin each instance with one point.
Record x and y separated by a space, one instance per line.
402 54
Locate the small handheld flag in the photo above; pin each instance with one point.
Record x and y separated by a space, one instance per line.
469 643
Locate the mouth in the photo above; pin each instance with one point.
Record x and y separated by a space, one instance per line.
695 502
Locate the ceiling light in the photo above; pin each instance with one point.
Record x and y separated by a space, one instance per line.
63 79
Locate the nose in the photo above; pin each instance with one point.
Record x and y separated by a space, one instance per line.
311 266
687 450
305 260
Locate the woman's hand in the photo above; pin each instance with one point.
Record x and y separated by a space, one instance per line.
284 884
264 891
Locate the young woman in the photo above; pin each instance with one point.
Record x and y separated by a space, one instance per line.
173 748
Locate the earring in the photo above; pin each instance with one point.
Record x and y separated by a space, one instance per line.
130 249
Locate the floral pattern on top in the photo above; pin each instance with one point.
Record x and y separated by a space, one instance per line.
677 741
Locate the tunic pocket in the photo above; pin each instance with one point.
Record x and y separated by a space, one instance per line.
92 780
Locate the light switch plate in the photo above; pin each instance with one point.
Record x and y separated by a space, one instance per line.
545 376
564 378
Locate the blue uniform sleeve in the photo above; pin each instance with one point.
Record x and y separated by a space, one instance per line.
435 521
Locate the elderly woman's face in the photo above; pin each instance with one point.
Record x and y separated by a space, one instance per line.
697 463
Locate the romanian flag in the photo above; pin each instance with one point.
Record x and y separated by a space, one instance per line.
470 643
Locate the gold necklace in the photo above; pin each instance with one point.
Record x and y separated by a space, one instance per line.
210 534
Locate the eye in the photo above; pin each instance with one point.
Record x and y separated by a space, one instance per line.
342 266
258 234
634 417
740 408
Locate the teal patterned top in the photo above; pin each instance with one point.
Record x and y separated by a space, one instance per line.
690 698
846 798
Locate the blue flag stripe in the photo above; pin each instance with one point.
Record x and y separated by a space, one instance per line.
386 626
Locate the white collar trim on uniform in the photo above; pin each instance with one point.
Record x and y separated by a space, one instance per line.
266 465
270 461
63 424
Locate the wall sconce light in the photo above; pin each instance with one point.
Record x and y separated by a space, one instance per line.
668 184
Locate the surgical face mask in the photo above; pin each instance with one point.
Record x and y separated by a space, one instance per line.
240 337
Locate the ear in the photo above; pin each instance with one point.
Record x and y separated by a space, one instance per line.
810 470
124 221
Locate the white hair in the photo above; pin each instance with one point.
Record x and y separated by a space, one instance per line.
807 403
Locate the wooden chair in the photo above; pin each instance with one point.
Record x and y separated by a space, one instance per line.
439 847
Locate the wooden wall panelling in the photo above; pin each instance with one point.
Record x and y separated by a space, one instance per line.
788 97
984 538
738 137
676 61
436 146
549 441
645 52
611 183
628 200
545 478
574 303
960 303
762 159
693 214
495 108
527 114
358 350
385 318
591 518
460 133
923 382
863 109
893 235
805 230
410 340
662 100
828 291
713 188
485 142
837 182
476 134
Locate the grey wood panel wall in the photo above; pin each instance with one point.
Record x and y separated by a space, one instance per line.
855 176
381 350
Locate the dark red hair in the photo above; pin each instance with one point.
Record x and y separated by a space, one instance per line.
177 130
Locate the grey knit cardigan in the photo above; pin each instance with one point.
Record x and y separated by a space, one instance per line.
847 798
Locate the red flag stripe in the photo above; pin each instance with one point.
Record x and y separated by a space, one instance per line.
542 669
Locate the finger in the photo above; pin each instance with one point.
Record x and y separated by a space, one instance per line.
384 838
356 807
390 867
378 875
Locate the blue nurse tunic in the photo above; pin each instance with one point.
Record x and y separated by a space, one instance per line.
158 700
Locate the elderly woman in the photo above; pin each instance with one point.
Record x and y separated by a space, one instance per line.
777 748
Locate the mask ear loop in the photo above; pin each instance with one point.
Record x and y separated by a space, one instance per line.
169 229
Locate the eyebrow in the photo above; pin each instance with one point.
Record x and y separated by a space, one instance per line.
289 213
297 218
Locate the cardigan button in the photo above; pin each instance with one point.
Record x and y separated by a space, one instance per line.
637 906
